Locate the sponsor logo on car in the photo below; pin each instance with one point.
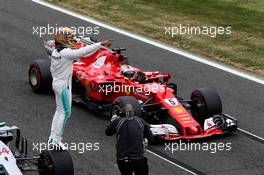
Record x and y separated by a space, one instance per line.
179 110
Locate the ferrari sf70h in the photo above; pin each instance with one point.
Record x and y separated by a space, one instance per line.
105 82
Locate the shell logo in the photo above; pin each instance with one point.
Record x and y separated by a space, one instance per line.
186 118
179 110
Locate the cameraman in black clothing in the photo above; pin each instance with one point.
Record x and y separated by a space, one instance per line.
131 132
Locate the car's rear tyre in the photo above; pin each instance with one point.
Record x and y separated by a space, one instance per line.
120 102
39 75
206 103
55 162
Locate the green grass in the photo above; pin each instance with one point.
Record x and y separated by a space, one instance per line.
244 48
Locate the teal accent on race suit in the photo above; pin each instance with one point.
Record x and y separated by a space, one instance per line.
3 170
66 106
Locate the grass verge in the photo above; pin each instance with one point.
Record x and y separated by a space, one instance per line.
243 48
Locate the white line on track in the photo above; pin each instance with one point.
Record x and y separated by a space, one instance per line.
165 47
179 166
249 133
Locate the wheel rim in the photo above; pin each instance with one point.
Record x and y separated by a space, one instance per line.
45 165
196 109
33 77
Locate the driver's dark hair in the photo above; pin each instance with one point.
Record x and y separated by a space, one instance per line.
128 106
123 111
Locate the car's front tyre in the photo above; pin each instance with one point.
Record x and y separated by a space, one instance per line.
206 103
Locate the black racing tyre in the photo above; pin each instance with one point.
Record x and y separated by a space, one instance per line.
39 75
120 102
206 103
55 162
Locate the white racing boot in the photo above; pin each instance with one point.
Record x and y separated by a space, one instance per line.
56 145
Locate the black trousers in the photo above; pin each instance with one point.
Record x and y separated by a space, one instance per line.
130 166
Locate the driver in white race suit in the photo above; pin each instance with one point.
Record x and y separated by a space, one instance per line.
61 70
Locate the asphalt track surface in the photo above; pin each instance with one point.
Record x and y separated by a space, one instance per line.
33 113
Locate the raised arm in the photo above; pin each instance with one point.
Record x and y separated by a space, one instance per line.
73 54
111 128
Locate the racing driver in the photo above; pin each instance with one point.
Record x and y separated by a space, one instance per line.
61 69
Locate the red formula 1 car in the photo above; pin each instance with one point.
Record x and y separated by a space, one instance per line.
105 82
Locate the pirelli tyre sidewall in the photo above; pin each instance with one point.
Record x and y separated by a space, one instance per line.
55 162
39 75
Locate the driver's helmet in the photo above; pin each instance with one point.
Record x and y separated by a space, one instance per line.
66 37
127 70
